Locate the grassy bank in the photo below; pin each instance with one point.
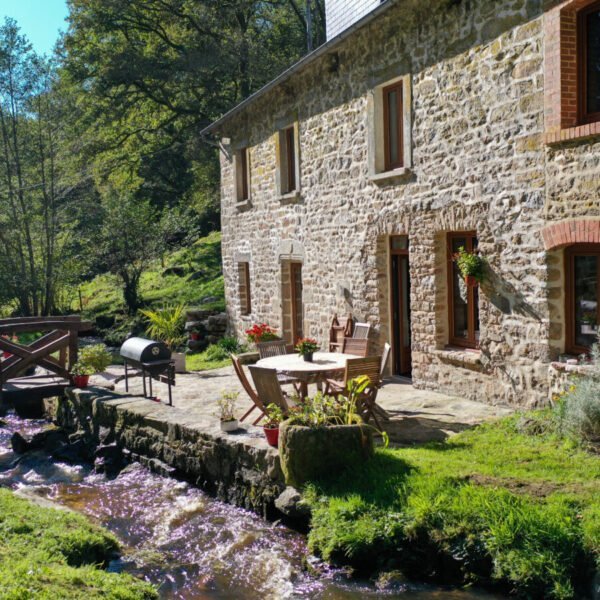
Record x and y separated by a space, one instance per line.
48 553
190 276
500 505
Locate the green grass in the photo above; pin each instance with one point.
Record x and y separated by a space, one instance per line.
202 362
493 505
102 297
48 554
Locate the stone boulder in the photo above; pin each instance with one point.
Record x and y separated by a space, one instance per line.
291 504
312 453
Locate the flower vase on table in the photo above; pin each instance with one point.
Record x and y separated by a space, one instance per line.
306 347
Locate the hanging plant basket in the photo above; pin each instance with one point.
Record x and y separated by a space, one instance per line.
471 265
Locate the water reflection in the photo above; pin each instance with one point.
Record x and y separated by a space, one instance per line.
190 545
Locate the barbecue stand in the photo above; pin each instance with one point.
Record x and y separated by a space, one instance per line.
154 361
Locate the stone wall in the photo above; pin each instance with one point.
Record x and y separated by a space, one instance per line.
240 469
479 162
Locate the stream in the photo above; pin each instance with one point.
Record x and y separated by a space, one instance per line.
188 544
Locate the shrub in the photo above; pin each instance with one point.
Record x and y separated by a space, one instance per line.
578 410
97 357
215 352
231 345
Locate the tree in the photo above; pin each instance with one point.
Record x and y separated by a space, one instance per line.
130 237
35 193
150 74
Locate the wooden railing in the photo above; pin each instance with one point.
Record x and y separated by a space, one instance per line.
56 350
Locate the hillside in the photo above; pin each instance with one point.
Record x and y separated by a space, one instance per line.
191 276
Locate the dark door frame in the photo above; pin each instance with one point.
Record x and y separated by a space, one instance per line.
294 268
401 356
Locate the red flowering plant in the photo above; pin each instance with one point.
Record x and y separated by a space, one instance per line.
261 332
306 346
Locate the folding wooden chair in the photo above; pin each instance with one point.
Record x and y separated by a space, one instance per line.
358 347
278 348
340 329
273 348
239 370
268 388
357 367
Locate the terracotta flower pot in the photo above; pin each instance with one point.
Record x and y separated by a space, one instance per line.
81 381
471 281
272 435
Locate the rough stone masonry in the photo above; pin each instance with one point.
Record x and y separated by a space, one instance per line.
481 160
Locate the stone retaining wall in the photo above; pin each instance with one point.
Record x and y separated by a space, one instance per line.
238 468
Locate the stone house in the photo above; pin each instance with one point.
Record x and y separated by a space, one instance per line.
349 182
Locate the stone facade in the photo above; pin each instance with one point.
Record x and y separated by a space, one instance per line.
479 160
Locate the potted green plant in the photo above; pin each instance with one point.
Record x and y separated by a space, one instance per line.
92 359
471 266
306 347
226 404
325 434
195 333
271 427
80 374
167 325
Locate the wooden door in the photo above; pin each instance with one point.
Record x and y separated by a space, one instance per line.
400 304
296 301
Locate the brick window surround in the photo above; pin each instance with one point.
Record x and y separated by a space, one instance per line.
561 73
569 232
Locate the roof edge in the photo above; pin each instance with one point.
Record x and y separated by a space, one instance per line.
298 66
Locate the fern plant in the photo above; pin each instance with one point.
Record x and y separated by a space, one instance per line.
166 325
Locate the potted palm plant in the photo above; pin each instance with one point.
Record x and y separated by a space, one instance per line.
167 325
306 347
271 426
471 266
226 404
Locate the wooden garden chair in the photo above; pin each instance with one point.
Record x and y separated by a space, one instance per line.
268 388
272 348
278 348
358 347
370 367
257 404
340 329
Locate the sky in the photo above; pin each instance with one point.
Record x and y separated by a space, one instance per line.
39 20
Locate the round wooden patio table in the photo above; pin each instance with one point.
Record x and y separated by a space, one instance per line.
325 365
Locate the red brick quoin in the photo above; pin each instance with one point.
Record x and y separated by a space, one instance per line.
567 233
561 75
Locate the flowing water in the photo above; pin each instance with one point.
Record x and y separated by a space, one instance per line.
188 544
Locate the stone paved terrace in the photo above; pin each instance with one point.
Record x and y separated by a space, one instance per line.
416 415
